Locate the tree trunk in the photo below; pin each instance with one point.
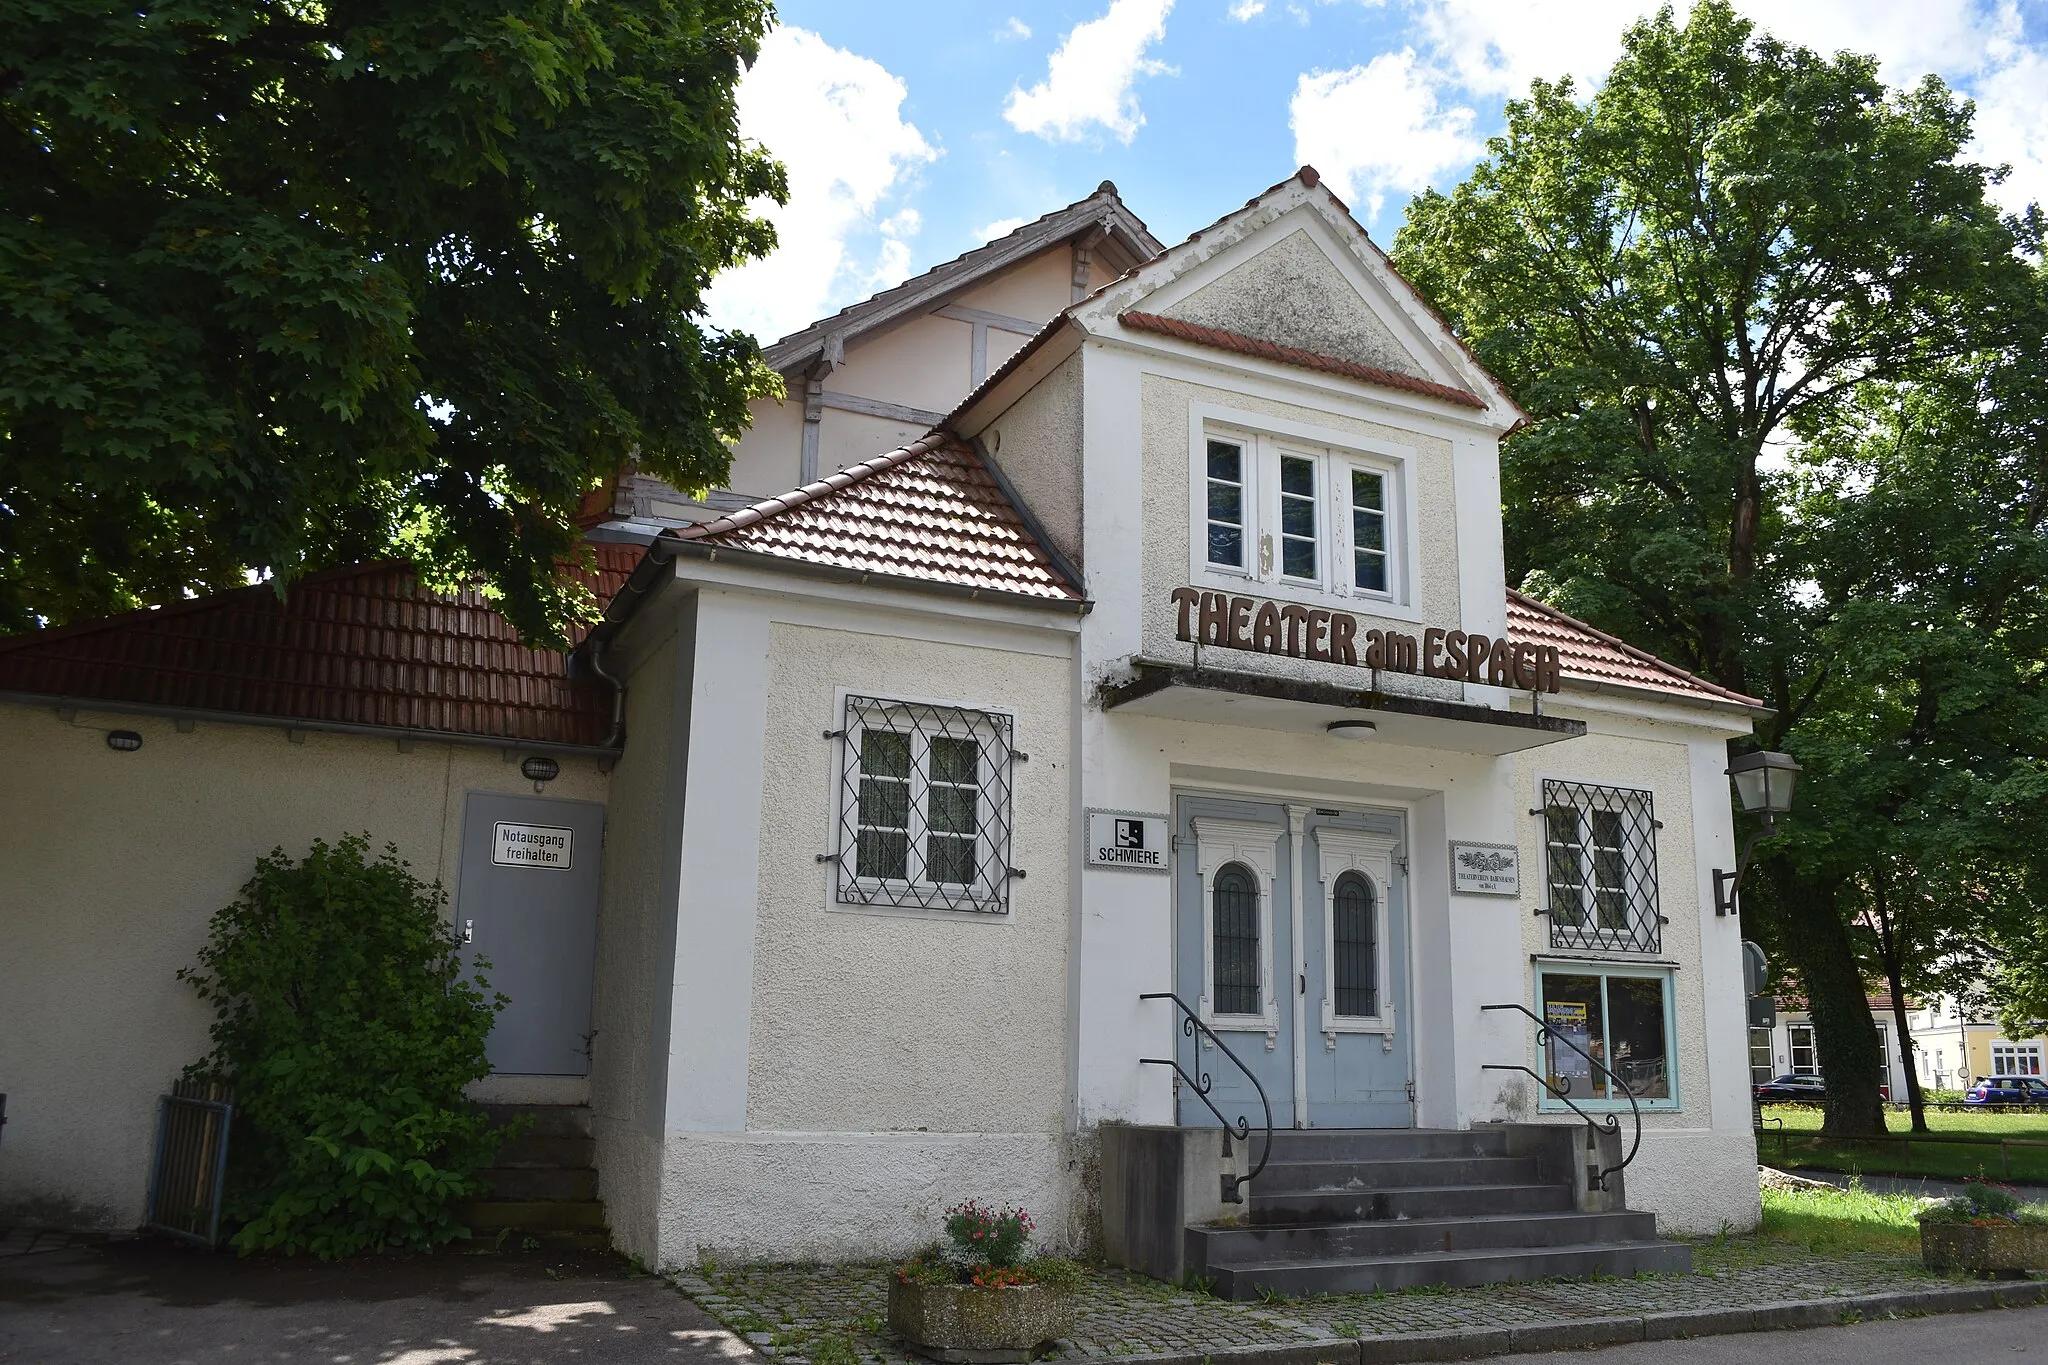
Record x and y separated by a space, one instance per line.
1811 930
1914 1099
1889 930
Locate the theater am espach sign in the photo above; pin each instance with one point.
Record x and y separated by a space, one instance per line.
1226 621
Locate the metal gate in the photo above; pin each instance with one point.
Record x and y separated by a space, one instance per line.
189 1172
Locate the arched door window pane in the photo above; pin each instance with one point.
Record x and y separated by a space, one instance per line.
1235 914
1355 935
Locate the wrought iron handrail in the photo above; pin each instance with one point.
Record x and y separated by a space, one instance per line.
1190 1024
1545 1034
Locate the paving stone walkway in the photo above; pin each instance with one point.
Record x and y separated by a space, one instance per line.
834 1315
23 1241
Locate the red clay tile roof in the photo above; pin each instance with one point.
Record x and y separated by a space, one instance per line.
930 511
1291 355
1594 655
361 646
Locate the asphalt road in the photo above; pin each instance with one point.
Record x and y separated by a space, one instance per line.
168 1305
2008 1335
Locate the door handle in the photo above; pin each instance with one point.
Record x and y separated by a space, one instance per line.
1304 983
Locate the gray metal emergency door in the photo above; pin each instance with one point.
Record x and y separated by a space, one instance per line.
528 904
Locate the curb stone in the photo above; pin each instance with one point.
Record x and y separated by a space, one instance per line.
1468 1343
1565 1336
1696 1322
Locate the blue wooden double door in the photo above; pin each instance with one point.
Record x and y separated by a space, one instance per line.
1291 941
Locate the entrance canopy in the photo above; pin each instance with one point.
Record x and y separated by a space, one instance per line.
1220 696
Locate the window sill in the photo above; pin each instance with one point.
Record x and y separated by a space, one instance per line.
1617 957
966 914
1610 1106
1304 594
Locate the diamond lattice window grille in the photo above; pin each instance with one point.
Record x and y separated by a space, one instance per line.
924 806
1600 868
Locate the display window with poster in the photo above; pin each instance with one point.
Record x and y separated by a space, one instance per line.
1619 1020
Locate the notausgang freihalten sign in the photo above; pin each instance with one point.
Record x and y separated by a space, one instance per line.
1229 622
517 845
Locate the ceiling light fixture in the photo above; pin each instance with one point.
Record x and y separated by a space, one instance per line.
1351 729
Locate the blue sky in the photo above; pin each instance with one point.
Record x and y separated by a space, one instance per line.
912 130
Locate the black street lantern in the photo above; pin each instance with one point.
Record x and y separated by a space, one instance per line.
1763 783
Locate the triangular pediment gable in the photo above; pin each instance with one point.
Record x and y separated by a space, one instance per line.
1292 276
1293 294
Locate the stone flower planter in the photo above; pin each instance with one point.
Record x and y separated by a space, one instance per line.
965 1324
1989 1249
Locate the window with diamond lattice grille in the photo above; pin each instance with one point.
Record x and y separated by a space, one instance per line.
1600 867
925 806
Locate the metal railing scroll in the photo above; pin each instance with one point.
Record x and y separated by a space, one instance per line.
1191 1026
1562 1092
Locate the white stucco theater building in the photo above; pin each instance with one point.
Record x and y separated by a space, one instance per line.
1134 648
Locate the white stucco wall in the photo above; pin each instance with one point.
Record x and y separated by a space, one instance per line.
1033 289
768 458
636 924
115 863
1037 444
889 1062
1697 1168
922 363
865 1020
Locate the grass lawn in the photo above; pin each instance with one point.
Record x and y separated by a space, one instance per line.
1828 1222
1959 1145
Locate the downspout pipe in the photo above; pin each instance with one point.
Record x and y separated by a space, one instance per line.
636 587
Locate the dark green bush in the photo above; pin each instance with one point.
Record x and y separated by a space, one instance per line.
348 1028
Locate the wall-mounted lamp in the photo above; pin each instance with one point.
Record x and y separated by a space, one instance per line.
127 741
1763 783
1351 729
540 770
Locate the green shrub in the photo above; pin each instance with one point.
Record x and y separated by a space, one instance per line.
345 1022
1056 1273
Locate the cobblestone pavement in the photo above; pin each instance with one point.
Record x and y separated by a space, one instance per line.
22 1241
833 1315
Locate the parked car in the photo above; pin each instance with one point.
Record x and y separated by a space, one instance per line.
1792 1090
2007 1090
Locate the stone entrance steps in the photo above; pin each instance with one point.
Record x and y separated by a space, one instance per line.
544 1185
1355 1211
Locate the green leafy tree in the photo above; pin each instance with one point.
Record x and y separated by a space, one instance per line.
288 284
348 1027
1727 247
1920 513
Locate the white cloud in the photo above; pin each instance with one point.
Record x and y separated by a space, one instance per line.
1491 49
2012 127
1246 10
1014 31
1379 127
1088 81
835 119
1001 227
1496 47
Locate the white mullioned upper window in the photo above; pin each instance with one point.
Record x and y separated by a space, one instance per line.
1299 517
